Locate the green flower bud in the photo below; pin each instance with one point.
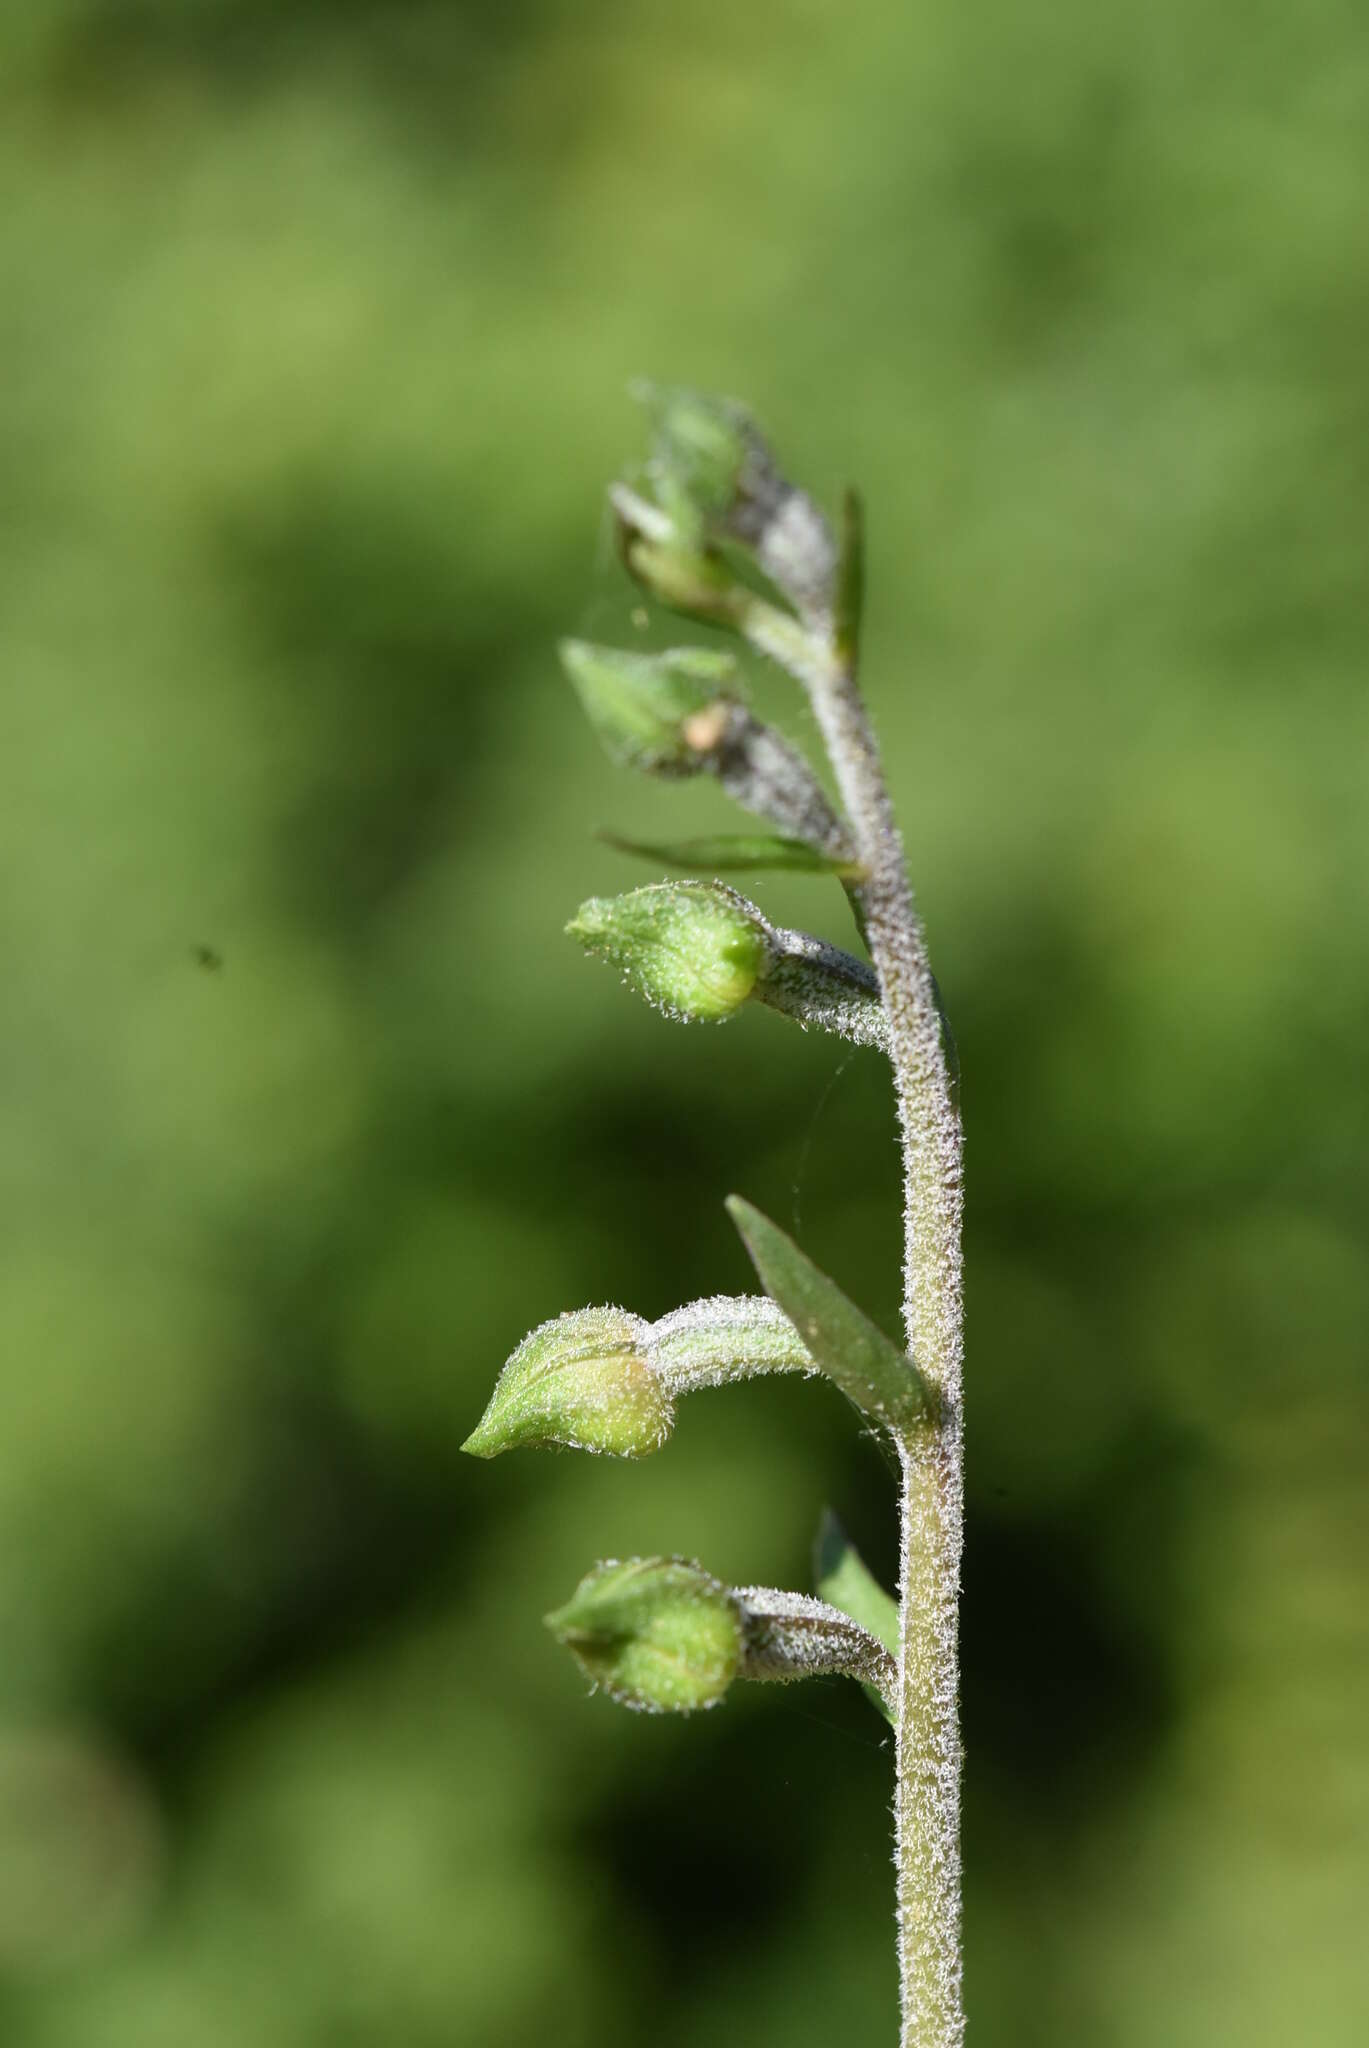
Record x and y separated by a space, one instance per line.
703 450
646 708
656 1633
694 949
583 1381
684 580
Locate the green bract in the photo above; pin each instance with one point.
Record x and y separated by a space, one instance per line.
646 707
694 949
582 1381
656 1633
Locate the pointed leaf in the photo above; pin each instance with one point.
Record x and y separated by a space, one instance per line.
731 852
870 1369
845 1581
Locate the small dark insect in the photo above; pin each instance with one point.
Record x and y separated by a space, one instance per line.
207 957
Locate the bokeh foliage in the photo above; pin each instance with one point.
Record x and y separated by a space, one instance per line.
315 321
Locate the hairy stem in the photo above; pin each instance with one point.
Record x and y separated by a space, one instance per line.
927 1811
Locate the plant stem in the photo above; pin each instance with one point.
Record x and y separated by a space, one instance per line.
927 1808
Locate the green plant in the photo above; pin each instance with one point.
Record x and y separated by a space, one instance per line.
722 537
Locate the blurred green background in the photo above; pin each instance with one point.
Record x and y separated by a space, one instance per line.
315 326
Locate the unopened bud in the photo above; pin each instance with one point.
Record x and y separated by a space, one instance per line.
656 1633
715 479
671 564
649 708
694 949
583 1381
704 451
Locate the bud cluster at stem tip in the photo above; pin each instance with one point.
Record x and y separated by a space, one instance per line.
706 456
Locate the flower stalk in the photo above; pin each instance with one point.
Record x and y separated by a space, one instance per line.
660 1634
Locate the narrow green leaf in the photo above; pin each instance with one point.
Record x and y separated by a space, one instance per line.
871 1370
732 852
844 1580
